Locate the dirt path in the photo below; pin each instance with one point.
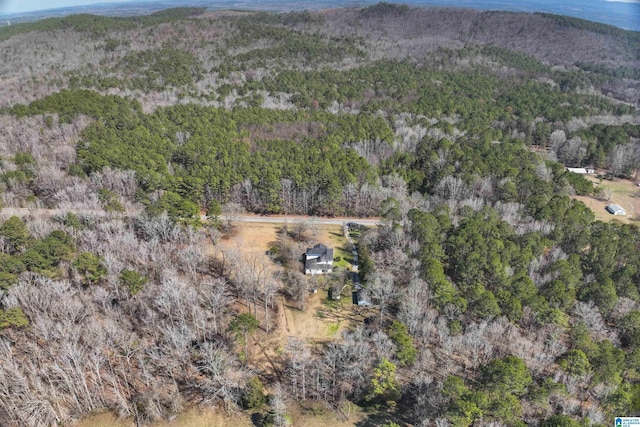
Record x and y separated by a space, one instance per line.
283 320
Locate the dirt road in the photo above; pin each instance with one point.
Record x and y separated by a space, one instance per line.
295 219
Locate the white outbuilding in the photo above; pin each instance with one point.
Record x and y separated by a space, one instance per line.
582 171
615 210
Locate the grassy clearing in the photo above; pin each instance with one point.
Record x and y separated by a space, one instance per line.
624 193
193 417
315 414
257 238
342 249
330 304
303 414
316 323
333 328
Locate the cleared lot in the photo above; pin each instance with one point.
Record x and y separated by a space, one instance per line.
624 193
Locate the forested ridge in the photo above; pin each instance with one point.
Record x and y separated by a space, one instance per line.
496 297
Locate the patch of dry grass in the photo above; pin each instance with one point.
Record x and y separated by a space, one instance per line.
624 193
305 414
257 238
194 417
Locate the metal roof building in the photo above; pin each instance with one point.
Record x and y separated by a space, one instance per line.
615 209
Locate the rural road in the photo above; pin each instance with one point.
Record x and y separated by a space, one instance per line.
295 219
275 219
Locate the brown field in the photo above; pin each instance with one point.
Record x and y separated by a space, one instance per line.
255 239
250 238
624 193
307 414
322 319
194 417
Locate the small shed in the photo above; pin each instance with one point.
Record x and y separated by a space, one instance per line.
360 297
334 293
614 209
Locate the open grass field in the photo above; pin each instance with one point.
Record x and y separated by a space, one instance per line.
250 239
322 319
195 417
624 193
255 239
306 414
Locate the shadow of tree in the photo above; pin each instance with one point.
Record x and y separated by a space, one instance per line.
378 419
340 311
257 418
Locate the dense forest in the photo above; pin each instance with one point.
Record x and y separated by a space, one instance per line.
497 297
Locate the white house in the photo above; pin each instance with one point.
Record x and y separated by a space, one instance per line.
318 260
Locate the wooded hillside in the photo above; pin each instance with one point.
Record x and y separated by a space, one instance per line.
496 297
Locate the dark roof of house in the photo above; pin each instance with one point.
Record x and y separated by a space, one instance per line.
318 249
318 258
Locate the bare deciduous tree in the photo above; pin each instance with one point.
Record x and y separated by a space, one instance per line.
383 292
414 303
279 406
215 297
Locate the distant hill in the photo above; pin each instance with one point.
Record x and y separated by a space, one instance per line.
551 38
387 31
623 14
